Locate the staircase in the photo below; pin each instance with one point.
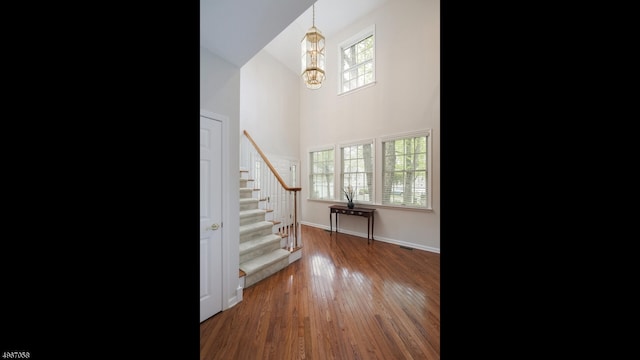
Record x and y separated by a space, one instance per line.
263 247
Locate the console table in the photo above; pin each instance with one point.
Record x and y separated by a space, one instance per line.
357 211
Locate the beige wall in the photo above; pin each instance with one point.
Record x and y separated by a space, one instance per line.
269 108
405 98
219 85
287 119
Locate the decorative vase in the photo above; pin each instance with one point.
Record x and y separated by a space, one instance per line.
350 205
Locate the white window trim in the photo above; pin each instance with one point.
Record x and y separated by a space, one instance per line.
377 164
309 170
370 30
379 176
338 161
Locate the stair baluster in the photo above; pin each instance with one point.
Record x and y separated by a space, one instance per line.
274 217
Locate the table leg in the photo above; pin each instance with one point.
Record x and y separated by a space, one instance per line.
373 219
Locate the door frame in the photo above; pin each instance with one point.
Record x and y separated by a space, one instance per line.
231 286
212 195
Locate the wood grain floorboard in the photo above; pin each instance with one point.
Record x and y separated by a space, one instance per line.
344 299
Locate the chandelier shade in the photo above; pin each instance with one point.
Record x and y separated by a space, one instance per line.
312 57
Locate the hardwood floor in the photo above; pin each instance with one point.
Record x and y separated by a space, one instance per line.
343 299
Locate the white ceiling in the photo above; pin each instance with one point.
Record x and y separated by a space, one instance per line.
331 16
236 30
239 29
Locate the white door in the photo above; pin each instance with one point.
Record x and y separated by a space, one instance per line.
210 217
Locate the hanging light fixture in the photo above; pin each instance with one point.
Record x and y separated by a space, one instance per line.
312 51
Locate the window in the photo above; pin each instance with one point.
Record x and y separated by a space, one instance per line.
321 172
356 166
393 171
357 61
406 171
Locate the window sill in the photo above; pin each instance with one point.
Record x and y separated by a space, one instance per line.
381 206
358 89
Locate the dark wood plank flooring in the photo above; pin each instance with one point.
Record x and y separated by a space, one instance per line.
343 299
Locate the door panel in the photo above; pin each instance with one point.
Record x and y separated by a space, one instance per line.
210 217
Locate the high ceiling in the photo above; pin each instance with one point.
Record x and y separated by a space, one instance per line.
238 29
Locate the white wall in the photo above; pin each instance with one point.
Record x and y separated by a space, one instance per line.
405 98
219 85
269 106
220 94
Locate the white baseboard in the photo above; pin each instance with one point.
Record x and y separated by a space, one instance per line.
234 300
239 290
296 255
377 238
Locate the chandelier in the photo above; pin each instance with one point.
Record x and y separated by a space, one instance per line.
312 51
